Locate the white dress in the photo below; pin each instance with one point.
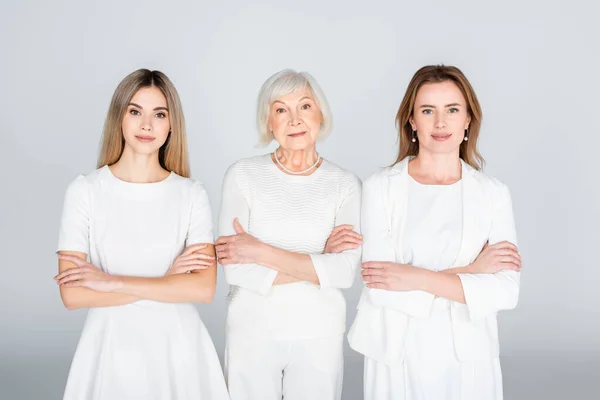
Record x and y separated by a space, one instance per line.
430 370
146 349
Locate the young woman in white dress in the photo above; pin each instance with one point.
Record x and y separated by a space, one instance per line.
439 255
289 242
146 229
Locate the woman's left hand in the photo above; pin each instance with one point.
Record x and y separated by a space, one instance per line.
241 248
391 276
85 275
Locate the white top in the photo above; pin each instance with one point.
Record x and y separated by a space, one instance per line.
146 349
134 229
295 213
433 225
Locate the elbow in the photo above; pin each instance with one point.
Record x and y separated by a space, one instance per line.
347 281
512 298
68 301
206 295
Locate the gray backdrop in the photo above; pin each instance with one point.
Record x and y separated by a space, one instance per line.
534 65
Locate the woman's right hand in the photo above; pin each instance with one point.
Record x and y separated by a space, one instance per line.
190 261
495 258
342 238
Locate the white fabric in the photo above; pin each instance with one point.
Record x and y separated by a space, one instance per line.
295 213
385 318
144 350
265 369
287 339
430 370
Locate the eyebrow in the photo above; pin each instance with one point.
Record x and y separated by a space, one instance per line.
447 105
155 108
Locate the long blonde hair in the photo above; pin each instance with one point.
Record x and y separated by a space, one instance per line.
437 74
173 155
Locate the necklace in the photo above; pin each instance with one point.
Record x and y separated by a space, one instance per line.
294 172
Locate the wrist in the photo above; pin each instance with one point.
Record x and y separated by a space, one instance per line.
118 284
422 278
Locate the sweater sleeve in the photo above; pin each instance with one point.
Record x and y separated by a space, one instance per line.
234 204
338 270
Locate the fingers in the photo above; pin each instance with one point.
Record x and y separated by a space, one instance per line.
237 226
199 263
198 256
193 248
377 286
342 247
505 245
225 239
340 228
372 272
373 265
347 238
188 268
69 278
509 259
70 271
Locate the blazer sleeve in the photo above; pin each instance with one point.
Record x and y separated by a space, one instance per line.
234 204
487 294
337 270
378 245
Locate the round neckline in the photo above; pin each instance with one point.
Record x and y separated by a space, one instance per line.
137 184
294 178
434 185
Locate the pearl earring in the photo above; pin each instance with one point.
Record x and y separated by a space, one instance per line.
414 136
466 135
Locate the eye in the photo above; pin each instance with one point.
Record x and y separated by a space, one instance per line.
453 110
427 111
280 110
161 115
133 111
305 106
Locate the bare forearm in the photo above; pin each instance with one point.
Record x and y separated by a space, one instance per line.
297 265
442 284
179 288
76 298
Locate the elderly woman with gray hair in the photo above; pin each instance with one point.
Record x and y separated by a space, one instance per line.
289 223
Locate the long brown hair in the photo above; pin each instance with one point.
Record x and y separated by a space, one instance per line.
173 155
437 74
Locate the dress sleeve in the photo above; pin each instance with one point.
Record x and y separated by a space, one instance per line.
200 229
74 231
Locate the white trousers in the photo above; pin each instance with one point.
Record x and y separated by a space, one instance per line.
268 369
430 370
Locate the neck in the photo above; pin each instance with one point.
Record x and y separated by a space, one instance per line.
138 168
439 169
297 160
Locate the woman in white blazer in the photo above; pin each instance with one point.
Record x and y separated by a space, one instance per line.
439 254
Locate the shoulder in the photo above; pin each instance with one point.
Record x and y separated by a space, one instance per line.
248 167
489 183
83 183
343 177
193 187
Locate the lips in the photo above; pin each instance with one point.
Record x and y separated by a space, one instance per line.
294 135
144 138
441 136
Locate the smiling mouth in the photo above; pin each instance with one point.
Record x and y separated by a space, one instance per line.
297 134
144 138
441 136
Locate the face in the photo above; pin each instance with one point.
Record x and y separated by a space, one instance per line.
146 123
295 120
440 117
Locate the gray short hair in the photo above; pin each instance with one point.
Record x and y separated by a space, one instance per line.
282 83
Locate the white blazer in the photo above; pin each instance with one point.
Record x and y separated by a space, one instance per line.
384 317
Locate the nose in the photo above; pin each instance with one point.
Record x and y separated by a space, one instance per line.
440 121
146 125
295 119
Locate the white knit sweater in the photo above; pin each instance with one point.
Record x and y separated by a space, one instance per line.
295 213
